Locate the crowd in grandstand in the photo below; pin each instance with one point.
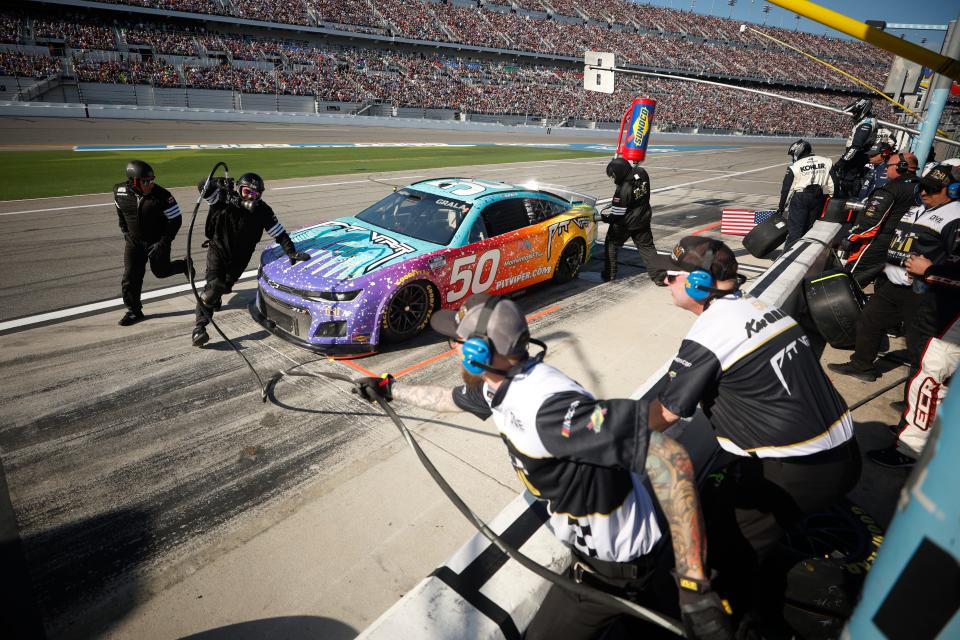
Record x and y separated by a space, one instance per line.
669 39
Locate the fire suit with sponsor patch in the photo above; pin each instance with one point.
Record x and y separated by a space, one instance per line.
629 219
874 228
232 233
585 459
785 436
149 224
849 169
804 190
927 388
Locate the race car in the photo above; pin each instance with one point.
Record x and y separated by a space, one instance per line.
380 275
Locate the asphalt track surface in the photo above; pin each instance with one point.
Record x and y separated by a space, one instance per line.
134 459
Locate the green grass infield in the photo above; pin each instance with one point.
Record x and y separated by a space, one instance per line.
37 174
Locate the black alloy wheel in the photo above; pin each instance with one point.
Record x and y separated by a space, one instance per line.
568 266
408 311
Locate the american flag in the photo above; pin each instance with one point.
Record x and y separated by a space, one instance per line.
739 222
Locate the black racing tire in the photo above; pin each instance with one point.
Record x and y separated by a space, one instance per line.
408 311
571 259
834 302
766 236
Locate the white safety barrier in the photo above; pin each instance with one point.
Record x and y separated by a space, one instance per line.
61 110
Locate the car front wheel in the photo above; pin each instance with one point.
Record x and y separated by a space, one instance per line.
408 311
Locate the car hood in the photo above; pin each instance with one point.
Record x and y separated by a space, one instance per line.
340 250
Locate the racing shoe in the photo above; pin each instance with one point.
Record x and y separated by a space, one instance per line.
891 458
200 337
850 369
131 317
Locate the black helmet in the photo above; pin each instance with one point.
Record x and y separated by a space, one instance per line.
252 180
137 172
860 109
799 149
618 169
137 169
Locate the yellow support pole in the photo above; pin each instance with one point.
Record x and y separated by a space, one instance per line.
940 64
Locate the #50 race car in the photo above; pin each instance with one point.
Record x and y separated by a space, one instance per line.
381 274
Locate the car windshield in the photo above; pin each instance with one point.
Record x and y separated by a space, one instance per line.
419 215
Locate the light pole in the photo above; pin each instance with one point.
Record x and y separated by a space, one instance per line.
766 13
730 3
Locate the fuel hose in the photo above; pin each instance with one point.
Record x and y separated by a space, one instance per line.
622 604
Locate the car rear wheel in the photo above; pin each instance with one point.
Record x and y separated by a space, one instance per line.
572 258
408 311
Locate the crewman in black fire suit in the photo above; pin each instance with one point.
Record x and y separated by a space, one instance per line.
849 169
871 234
629 218
149 218
235 224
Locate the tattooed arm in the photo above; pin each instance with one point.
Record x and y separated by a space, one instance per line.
426 396
671 474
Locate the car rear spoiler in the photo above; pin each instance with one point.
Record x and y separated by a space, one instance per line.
569 195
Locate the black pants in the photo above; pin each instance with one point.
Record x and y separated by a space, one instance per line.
567 616
617 235
135 266
803 212
222 273
870 264
751 502
890 305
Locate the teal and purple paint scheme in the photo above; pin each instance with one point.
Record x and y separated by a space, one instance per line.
381 274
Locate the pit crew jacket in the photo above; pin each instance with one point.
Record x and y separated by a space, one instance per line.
931 233
806 174
234 231
754 372
876 177
150 218
585 457
885 207
630 205
861 138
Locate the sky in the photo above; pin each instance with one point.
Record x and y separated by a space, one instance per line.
892 11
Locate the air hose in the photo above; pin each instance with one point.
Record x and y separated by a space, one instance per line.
625 606
193 283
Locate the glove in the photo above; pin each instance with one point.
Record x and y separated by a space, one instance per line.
705 616
372 388
605 217
845 245
156 248
298 256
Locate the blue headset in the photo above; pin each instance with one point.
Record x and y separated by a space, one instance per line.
699 285
477 349
700 282
953 190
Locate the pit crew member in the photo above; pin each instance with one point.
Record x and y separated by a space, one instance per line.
849 168
877 173
873 230
149 218
235 223
926 237
785 436
927 388
593 461
629 218
805 187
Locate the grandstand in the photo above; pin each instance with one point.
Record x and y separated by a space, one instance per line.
513 61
